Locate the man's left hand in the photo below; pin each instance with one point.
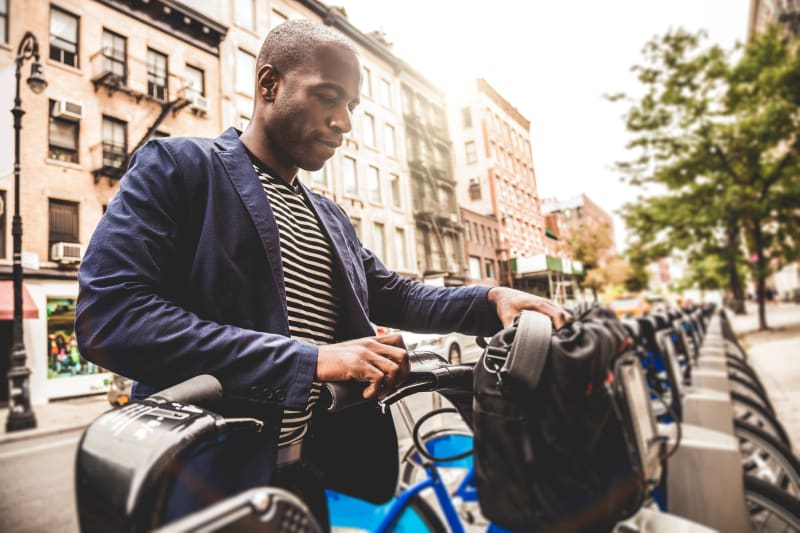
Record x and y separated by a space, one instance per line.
510 302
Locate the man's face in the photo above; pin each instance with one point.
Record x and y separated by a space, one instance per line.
313 108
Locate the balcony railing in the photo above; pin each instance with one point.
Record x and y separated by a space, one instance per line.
109 160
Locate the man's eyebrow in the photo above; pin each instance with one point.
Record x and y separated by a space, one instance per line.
338 89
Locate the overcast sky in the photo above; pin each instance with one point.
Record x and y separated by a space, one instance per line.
553 60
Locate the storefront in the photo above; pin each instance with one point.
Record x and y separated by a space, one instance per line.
57 368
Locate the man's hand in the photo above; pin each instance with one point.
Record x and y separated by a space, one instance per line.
510 302
382 361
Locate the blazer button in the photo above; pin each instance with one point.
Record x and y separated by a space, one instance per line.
268 393
254 392
280 395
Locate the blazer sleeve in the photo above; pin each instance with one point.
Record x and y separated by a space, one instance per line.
125 323
400 302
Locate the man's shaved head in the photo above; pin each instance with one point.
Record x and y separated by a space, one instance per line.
294 43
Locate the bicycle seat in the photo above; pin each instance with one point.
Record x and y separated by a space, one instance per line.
154 460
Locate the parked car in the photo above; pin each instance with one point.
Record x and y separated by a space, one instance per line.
629 305
455 347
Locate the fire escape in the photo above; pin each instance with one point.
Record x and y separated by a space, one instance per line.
434 213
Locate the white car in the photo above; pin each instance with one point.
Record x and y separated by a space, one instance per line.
454 347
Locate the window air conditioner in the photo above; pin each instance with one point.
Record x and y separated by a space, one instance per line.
67 252
199 104
68 109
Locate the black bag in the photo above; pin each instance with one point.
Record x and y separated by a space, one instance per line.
551 452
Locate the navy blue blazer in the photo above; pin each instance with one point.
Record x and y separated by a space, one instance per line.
183 276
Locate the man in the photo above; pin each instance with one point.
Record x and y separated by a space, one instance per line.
213 258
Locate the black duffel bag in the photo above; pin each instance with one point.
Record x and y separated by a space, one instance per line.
552 449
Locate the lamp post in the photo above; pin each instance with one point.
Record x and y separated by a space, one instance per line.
20 414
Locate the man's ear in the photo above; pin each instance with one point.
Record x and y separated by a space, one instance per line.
267 82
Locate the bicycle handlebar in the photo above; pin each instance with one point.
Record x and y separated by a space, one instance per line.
202 389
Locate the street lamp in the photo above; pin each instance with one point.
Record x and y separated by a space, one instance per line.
20 414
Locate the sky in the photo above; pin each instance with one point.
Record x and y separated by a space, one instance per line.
553 60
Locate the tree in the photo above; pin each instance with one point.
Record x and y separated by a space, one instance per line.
590 244
720 137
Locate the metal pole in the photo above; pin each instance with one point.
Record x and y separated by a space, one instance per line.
20 413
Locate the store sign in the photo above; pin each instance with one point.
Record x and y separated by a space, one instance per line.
528 264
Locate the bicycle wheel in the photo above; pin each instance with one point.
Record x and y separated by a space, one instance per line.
753 413
770 508
418 516
766 458
745 388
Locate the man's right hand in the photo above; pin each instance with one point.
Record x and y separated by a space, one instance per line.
381 361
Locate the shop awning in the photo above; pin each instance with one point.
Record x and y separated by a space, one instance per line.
29 309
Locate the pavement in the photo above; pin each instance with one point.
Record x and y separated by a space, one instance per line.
775 354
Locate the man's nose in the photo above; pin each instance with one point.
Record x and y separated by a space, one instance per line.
342 120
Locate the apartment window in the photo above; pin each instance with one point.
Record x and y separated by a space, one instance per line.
474 188
379 241
489 264
400 250
277 18
397 195
195 82
63 223
156 75
115 142
3 39
366 82
389 140
63 37
467 233
472 154
369 130
115 55
407 100
245 72
474 267
62 137
385 92
374 183
350 176
466 117
319 178
3 224
244 13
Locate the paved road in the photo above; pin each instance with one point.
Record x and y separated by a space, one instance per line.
37 493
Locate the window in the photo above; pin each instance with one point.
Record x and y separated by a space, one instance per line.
467 235
115 142
472 154
475 192
3 205
366 82
156 75
466 117
397 196
277 18
244 13
245 72
474 267
63 222
350 176
489 264
385 93
400 251
63 37
319 178
115 55
3 39
369 130
389 140
379 241
62 137
407 100
195 82
374 182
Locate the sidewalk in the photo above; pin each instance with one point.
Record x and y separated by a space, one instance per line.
775 355
57 417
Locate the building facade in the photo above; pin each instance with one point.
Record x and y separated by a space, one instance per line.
481 240
118 74
765 12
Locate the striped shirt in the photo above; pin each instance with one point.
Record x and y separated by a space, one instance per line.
311 301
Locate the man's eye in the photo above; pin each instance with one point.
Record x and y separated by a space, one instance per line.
328 99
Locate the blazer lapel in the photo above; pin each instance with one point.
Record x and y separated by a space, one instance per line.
245 180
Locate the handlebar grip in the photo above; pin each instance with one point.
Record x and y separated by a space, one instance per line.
344 394
197 390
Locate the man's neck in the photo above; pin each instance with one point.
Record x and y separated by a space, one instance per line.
258 148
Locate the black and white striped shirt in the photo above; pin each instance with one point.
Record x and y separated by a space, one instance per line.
311 301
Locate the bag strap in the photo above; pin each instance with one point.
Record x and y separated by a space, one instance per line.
530 348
